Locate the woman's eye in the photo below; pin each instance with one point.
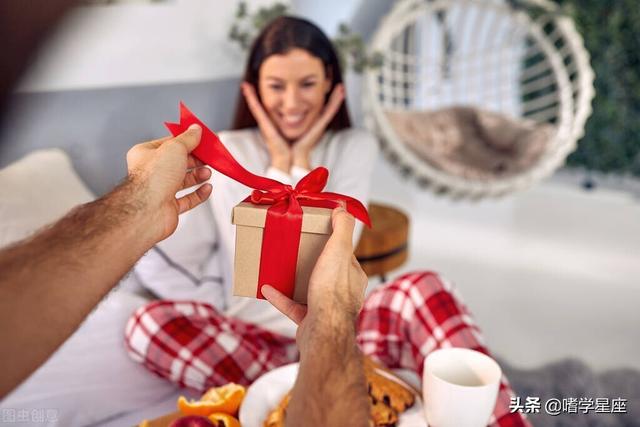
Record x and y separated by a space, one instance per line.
308 84
276 87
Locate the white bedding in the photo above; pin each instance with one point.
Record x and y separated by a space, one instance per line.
91 379
133 418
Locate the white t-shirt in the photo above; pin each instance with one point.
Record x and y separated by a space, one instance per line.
196 262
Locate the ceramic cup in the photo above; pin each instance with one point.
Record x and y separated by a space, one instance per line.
460 387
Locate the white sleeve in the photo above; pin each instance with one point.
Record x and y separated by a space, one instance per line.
227 193
297 173
278 175
351 172
180 267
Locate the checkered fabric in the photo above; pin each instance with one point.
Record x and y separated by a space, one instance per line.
193 345
405 320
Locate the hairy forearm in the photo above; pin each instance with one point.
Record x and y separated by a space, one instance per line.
50 282
331 387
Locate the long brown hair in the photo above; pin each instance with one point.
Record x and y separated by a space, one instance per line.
278 37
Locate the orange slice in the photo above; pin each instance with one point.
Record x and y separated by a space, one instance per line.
225 399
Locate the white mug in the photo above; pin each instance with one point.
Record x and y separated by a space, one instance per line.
460 387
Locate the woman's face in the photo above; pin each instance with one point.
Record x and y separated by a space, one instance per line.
293 87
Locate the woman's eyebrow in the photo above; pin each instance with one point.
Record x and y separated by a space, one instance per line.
310 76
278 79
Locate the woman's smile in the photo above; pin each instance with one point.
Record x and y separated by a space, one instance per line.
292 120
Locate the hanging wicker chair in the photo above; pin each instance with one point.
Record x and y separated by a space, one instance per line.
478 98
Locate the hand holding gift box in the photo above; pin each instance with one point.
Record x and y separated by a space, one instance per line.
281 230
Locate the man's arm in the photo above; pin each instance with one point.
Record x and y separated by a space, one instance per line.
331 388
50 282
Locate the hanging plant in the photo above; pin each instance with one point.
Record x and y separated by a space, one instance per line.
350 47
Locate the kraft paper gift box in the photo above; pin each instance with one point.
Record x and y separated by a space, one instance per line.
296 219
249 220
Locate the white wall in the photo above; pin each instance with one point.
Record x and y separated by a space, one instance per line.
327 14
139 44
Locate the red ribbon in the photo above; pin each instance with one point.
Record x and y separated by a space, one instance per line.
283 225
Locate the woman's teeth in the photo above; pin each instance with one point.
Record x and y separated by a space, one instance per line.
292 119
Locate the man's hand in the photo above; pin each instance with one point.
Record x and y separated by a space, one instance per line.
336 286
331 388
162 168
50 282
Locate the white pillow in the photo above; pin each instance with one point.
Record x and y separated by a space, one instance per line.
37 190
90 378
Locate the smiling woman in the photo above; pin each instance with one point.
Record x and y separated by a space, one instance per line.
296 72
287 51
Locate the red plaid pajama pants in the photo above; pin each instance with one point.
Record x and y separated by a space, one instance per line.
193 345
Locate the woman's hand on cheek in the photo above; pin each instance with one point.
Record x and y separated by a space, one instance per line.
278 147
301 150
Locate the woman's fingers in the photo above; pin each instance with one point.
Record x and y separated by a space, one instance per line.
330 110
261 116
278 147
333 104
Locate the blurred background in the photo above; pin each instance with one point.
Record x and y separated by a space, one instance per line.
546 254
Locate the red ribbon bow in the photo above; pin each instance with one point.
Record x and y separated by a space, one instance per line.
281 237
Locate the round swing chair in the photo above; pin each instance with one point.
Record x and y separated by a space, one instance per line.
478 98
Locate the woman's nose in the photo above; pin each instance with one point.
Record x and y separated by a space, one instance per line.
291 98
